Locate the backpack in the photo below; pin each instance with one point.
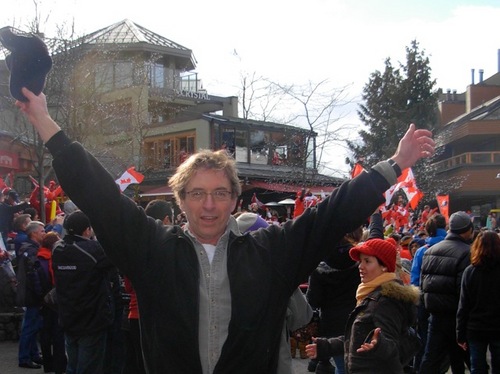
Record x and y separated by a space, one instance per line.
410 343
33 282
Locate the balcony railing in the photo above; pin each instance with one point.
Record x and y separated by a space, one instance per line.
469 159
189 82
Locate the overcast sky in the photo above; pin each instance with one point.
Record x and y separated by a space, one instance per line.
293 41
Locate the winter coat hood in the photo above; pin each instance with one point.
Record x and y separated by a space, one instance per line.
398 291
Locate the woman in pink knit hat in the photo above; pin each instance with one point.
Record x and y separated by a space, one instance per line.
375 338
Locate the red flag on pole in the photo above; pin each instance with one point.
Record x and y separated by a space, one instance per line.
128 177
443 204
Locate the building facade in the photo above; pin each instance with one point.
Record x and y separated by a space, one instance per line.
469 158
128 92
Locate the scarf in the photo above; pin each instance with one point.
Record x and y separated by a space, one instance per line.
366 288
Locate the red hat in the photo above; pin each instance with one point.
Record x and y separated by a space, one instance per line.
384 250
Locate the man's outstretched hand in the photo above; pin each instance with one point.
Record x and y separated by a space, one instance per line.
415 144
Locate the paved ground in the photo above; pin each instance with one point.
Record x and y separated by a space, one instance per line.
8 361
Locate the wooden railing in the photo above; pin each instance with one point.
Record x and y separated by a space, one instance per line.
469 159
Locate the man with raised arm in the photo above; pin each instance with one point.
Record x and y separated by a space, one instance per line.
212 300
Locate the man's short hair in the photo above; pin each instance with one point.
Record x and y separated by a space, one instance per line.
19 221
207 160
440 221
33 226
31 211
159 209
76 223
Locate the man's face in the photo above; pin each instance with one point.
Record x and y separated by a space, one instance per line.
38 234
208 217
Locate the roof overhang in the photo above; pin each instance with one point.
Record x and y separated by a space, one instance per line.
282 187
158 191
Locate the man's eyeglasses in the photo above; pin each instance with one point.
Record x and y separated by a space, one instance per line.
217 195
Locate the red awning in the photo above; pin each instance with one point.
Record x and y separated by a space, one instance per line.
280 187
157 191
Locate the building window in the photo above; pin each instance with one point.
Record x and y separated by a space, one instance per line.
156 75
113 75
241 142
169 151
228 142
262 147
259 147
123 73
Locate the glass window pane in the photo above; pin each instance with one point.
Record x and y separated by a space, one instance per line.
123 74
279 146
228 141
157 76
259 147
296 150
241 146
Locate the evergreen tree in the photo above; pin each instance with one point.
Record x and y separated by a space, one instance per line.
391 101
381 115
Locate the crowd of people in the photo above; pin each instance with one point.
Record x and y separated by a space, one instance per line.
220 293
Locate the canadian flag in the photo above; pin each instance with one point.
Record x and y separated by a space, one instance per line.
128 177
407 183
356 170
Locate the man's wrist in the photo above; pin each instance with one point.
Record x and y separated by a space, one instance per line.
396 167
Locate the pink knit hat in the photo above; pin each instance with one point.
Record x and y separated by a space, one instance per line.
384 250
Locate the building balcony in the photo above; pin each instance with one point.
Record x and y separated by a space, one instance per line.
469 159
472 174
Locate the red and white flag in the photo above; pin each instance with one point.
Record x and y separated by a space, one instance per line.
129 177
407 183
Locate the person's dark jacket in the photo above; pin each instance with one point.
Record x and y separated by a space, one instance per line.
332 289
264 267
479 306
84 297
7 212
20 238
391 307
31 281
441 274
